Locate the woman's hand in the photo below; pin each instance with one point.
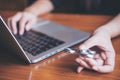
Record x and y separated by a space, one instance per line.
21 21
103 61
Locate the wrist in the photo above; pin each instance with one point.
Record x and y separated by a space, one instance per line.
31 11
102 32
40 7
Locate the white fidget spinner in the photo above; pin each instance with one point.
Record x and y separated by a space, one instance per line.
87 53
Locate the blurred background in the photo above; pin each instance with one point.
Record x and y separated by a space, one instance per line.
109 7
12 4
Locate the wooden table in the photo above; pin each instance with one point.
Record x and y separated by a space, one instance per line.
60 66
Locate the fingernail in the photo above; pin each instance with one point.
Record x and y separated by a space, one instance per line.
21 33
28 28
77 60
95 68
79 69
15 32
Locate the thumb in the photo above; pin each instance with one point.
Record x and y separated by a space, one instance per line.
88 44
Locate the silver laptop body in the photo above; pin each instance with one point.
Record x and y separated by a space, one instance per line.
68 35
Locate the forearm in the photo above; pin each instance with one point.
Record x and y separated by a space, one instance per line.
40 7
112 28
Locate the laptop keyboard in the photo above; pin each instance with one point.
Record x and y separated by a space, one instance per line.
36 43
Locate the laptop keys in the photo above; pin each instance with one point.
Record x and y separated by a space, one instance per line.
36 43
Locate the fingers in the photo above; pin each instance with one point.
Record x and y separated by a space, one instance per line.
97 65
79 69
109 62
103 63
24 20
29 24
89 63
27 28
12 22
88 44
8 22
22 24
103 69
110 58
82 63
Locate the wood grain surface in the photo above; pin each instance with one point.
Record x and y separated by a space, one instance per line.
61 66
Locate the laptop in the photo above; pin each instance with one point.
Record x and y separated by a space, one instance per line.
45 39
